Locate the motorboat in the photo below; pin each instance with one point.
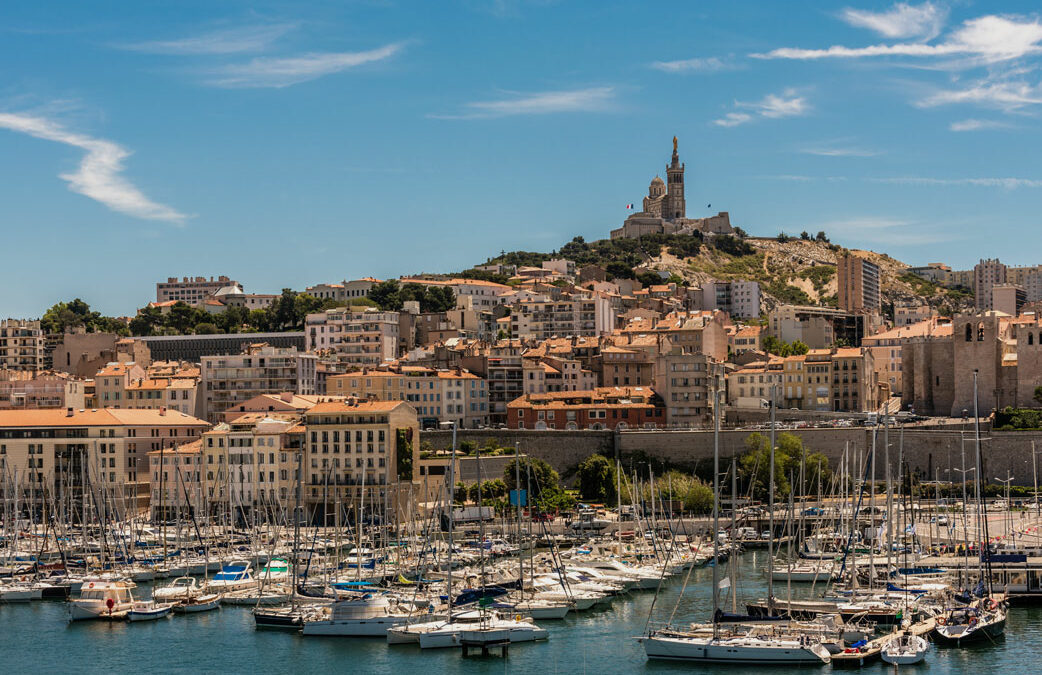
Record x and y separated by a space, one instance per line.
905 649
181 588
149 611
367 616
234 576
489 625
198 603
277 569
102 599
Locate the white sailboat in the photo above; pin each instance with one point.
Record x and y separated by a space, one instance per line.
905 649
721 647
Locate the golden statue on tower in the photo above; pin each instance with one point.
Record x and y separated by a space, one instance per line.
674 144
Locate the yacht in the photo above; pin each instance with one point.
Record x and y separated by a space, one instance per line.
102 600
234 576
450 633
366 616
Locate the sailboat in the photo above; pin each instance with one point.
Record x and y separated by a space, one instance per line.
905 649
720 647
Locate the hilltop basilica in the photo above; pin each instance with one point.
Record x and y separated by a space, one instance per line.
665 209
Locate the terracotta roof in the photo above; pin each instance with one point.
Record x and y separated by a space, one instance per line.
363 406
103 417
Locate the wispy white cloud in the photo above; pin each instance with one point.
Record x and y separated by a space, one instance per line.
275 72
787 104
797 178
592 99
886 230
228 41
709 64
733 119
98 175
837 149
900 21
986 39
1004 183
1003 91
977 125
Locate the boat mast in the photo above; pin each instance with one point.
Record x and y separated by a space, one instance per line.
716 510
770 511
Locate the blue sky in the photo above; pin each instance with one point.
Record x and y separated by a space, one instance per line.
287 144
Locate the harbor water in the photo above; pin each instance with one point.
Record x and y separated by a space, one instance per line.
36 638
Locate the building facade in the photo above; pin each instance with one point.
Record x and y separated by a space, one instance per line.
859 283
260 369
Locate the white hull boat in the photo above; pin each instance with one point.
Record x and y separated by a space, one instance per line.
741 650
149 611
905 650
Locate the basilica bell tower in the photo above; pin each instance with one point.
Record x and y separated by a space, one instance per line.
675 206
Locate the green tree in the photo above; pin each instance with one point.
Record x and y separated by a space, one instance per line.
206 328
597 479
1038 394
403 454
799 348
146 322
387 295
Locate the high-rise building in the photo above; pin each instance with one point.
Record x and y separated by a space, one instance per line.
986 274
859 282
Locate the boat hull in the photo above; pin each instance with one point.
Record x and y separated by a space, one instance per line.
709 650
373 627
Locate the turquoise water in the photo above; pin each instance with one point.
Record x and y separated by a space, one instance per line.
35 638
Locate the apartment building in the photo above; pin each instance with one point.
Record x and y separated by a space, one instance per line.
581 314
505 376
437 395
52 448
175 477
1008 298
250 465
345 290
228 381
745 339
546 373
909 313
687 384
740 299
111 382
823 379
986 274
352 452
601 408
365 337
191 290
859 285
22 345
175 393
25 389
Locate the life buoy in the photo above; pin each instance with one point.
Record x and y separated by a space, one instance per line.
90 585
942 621
973 621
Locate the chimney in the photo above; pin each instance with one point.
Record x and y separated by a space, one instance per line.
162 410
68 412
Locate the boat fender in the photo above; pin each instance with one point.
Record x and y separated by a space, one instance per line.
942 621
973 621
992 605
517 617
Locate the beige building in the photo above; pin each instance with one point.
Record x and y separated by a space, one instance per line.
910 313
22 345
353 447
231 380
249 465
747 338
887 347
111 382
1008 298
582 314
859 283
548 373
437 395
840 380
366 337
176 489
52 448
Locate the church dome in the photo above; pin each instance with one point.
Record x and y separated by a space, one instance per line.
657 181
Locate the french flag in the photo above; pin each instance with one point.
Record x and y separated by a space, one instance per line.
629 207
